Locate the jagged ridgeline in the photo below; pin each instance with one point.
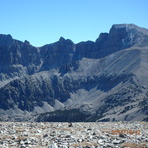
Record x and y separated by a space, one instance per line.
105 80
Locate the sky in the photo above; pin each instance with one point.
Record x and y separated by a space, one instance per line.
45 21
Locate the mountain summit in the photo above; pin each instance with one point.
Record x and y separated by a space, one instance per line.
105 80
120 37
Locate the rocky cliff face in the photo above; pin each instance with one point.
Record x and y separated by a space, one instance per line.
106 79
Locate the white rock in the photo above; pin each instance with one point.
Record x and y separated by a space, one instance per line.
100 141
53 145
116 141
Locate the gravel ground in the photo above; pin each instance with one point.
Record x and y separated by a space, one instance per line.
74 135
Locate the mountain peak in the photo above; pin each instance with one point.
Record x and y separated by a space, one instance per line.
65 41
6 40
5 37
62 39
118 26
129 28
124 28
121 36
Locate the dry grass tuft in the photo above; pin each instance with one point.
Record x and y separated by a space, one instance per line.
85 144
134 145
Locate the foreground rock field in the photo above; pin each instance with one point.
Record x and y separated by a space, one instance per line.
74 135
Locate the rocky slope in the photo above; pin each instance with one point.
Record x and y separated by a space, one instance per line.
59 135
107 78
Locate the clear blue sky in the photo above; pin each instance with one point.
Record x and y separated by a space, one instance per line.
45 21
